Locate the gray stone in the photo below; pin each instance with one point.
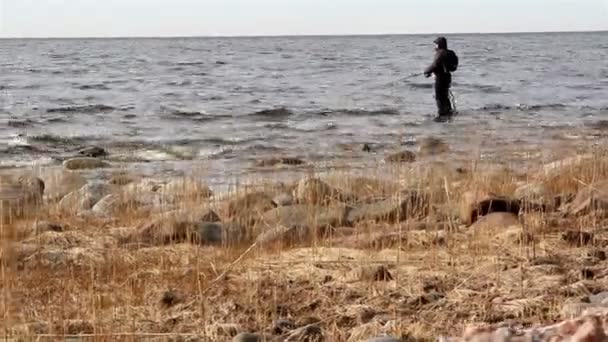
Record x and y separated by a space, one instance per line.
391 210
248 337
93 152
20 195
383 339
600 298
431 146
59 182
83 163
282 326
316 192
309 333
283 200
306 216
84 198
591 199
401 157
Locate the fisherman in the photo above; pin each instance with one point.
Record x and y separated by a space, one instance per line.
443 65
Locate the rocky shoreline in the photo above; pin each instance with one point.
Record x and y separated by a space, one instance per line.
338 257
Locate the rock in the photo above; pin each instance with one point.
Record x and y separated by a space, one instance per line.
121 180
599 298
186 188
592 199
247 337
563 166
279 161
249 208
83 163
76 327
166 231
432 146
531 191
282 326
496 220
316 192
383 339
20 195
54 257
364 189
45 226
297 223
114 204
59 183
161 231
306 216
283 200
375 273
475 204
222 330
309 333
577 238
574 310
396 209
401 157
84 198
591 330
143 186
172 297
93 152
210 233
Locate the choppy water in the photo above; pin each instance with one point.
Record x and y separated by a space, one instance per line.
228 100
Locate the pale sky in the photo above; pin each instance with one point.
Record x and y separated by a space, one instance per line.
103 18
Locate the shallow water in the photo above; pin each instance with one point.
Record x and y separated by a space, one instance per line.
221 102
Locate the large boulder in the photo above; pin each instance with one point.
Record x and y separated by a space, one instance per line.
84 198
84 163
363 188
186 188
178 226
247 209
431 146
475 204
316 192
20 195
306 216
395 209
297 223
59 182
591 199
93 152
401 157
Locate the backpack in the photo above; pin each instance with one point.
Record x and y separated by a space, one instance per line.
451 61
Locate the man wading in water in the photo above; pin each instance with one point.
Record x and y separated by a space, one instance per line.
444 64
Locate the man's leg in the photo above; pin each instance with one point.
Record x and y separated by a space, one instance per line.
442 93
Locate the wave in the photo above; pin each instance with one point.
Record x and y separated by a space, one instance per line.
21 123
83 109
280 112
93 87
524 107
497 107
421 85
189 63
185 114
358 112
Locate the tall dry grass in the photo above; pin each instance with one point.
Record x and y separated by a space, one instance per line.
93 281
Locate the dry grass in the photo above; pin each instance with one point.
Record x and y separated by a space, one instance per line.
435 275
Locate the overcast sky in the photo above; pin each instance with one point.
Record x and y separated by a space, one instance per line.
78 18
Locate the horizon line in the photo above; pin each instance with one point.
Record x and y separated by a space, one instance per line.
304 35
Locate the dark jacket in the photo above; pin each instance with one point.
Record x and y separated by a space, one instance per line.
437 67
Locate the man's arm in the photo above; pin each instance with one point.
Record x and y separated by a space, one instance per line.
436 63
